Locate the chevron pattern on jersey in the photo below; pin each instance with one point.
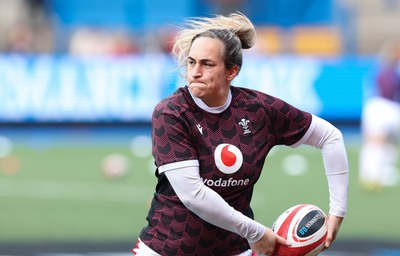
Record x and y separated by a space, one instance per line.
254 123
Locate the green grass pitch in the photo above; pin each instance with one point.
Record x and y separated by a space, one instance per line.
59 193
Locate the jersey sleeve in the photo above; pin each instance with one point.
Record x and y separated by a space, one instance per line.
170 136
329 139
209 205
289 123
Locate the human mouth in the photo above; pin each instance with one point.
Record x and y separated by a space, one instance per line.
195 83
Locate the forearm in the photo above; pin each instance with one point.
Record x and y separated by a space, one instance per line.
330 140
210 206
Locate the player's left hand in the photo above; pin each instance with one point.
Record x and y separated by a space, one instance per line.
334 223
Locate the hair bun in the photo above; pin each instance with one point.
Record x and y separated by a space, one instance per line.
244 30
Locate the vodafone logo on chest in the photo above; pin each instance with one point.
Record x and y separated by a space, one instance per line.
228 158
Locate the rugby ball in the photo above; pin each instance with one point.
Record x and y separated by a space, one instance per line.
305 227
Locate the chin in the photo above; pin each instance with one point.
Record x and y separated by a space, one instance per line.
195 91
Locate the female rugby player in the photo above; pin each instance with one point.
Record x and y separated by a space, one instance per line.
210 141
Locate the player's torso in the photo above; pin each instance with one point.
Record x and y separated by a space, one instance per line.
231 147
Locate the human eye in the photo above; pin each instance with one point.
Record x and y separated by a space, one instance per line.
208 64
190 62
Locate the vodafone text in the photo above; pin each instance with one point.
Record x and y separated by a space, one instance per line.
226 183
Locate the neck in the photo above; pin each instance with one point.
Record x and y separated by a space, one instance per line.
215 110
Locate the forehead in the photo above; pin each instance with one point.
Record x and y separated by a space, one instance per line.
206 48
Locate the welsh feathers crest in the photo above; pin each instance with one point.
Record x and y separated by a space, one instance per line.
245 125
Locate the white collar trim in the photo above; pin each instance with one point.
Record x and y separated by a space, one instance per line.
213 110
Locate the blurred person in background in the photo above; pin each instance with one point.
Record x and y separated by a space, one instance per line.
12 12
380 124
25 27
90 41
210 141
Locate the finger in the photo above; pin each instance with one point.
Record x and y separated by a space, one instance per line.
328 240
328 243
283 241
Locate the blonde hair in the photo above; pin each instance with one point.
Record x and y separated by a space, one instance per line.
236 32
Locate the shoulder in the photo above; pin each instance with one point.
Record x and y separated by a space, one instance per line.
176 104
252 96
179 99
273 106
247 93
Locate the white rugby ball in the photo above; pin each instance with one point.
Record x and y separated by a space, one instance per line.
305 227
114 166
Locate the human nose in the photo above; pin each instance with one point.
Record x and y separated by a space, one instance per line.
196 71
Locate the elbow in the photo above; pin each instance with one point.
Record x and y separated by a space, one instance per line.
191 199
337 135
186 201
188 198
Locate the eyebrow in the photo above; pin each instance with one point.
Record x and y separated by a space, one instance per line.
201 60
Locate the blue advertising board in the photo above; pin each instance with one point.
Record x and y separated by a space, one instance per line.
66 89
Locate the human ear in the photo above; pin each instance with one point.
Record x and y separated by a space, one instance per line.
232 73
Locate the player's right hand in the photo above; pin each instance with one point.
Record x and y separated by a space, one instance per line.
266 245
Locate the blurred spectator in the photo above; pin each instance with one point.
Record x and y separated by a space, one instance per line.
19 39
167 39
381 124
24 27
87 41
11 13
